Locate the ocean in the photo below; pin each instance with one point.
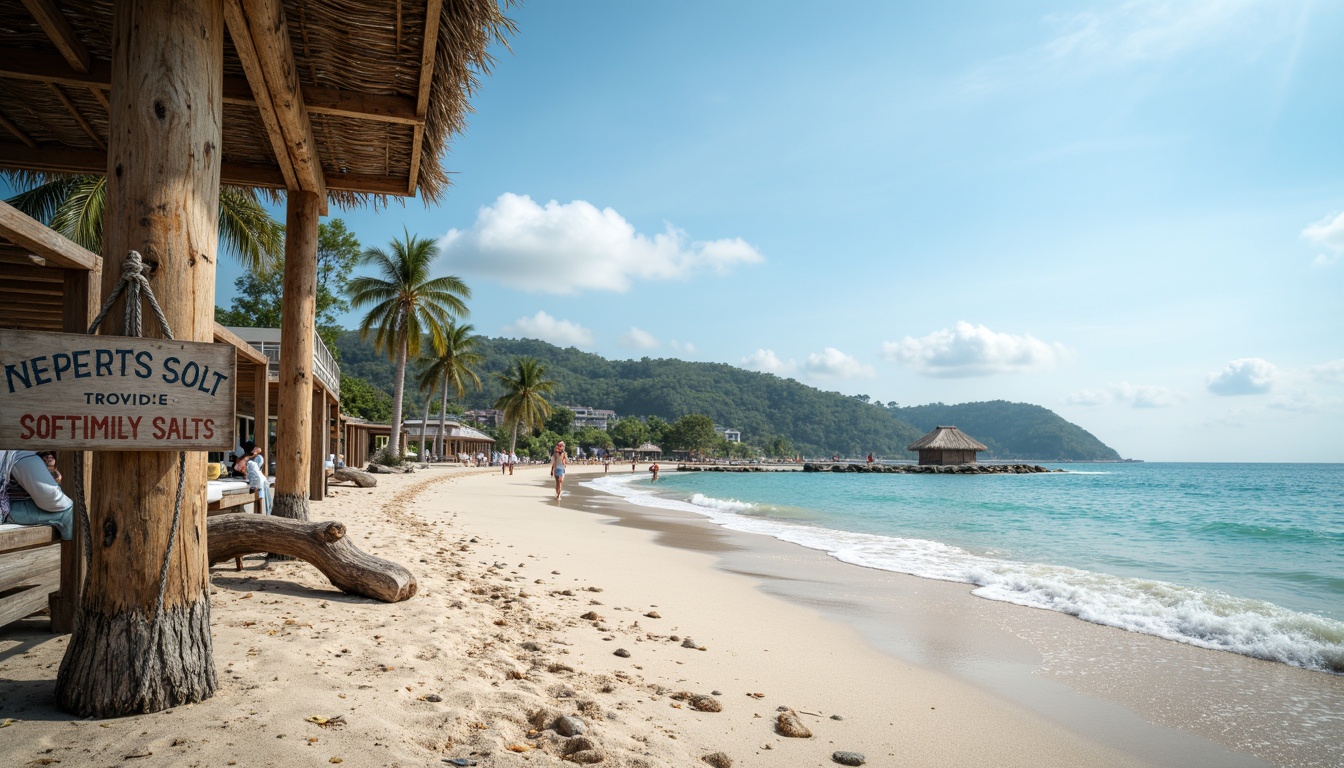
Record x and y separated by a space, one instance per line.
1246 558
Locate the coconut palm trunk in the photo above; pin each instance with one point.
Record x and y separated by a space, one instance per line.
442 442
394 442
424 428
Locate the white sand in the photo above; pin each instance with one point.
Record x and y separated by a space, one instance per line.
493 634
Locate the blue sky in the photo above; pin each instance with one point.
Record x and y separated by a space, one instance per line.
1130 213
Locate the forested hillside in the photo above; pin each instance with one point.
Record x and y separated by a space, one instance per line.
761 405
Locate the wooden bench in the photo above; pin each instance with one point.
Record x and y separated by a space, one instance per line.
30 569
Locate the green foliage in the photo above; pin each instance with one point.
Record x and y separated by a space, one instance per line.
388 458
1014 430
781 416
628 432
561 420
524 400
692 432
362 400
592 437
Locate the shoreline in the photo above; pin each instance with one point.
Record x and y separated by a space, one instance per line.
498 633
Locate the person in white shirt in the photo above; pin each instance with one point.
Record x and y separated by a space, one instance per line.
29 494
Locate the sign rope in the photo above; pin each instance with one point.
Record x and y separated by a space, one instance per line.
133 282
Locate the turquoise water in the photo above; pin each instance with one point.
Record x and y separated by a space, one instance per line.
1247 558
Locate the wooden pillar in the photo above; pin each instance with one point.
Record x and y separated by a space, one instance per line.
317 486
293 429
261 408
127 656
80 297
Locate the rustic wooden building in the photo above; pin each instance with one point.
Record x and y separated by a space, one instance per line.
946 445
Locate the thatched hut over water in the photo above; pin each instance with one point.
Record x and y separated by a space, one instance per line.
946 445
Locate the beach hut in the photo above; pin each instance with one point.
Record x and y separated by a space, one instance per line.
645 452
349 101
946 445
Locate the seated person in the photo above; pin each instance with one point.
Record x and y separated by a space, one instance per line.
29 494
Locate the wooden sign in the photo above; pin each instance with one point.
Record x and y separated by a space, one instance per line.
78 392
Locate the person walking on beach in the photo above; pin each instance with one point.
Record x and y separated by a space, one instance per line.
654 470
559 463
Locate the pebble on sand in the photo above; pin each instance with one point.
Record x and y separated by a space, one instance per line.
569 725
624 654
656 615
788 724
718 760
849 758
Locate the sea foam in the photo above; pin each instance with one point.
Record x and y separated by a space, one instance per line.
1196 616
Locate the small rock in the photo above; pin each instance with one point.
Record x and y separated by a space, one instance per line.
788 724
718 760
716 693
531 645
570 726
689 643
655 615
624 654
848 758
591 616
434 697
706 704
836 717
675 638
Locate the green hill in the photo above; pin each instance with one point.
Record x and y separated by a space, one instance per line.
761 405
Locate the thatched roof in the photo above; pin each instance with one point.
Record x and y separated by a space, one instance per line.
947 438
384 87
648 448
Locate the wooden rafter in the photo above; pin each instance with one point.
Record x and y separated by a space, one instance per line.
265 20
433 12
40 68
60 33
247 55
93 162
17 131
29 233
79 118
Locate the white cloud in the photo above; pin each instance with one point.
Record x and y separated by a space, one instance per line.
1328 233
766 361
639 339
1301 402
974 350
1147 30
833 363
543 326
571 247
1124 393
686 349
1247 376
1329 373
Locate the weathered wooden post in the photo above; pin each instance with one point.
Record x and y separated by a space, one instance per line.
162 200
294 412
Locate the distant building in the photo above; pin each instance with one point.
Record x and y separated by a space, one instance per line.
490 417
731 435
946 445
591 417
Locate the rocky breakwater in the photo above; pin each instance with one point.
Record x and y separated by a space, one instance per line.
928 469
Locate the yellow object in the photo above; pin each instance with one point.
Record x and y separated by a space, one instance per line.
212 471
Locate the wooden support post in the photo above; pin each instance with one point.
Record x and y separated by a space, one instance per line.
127 654
317 482
261 408
80 299
293 429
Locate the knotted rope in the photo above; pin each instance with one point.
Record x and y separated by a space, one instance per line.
134 283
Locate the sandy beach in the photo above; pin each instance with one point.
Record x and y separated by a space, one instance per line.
666 638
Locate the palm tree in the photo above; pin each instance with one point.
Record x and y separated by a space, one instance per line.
407 304
73 206
523 403
451 366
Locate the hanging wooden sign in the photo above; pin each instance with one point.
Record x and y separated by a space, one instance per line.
77 392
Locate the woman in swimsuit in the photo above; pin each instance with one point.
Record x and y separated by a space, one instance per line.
559 462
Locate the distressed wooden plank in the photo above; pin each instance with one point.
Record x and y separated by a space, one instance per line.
256 79
79 118
433 11
71 391
27 232
16 131
26 537
60 33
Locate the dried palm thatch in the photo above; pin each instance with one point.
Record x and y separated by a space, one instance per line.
947 438
381 128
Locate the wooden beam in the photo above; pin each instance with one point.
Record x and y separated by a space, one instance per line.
37 67
25 269
90 161
74 112
270 38
17 131
60 33
224 336
293 428
26 232
256 79
80 306
433 11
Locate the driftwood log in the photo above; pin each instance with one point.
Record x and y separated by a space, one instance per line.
358 477
323 544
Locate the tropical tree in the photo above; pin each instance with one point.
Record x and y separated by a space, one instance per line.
450 367
629 432
74 205
524 400
407 305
